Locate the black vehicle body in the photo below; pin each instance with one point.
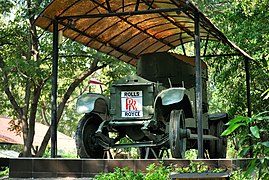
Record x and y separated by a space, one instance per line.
155 108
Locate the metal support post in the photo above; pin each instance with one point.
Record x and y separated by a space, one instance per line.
54 91
248 86
199 111
248 98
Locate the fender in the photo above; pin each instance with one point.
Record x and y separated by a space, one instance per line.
171 95
221 116
92 102
175 98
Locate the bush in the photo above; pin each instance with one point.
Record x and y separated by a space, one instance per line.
153 172
124 174
157 172
253 134
4 173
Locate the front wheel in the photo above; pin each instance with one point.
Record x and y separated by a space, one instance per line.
86 142
176 140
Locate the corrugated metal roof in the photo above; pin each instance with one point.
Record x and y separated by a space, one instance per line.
132 28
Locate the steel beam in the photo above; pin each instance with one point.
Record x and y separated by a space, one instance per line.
199 110
171 21
54 90
98 40
137 5
140 12
206 43
247 71
248 87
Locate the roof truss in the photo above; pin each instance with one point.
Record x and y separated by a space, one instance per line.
126 29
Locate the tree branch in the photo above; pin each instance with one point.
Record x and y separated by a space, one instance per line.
11 98
75 83
48 56
65 98
44 116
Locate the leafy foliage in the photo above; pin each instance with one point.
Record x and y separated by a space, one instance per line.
119 173
198 167
239 175
25 59
160 171
153 172
253 134
244 23
4 173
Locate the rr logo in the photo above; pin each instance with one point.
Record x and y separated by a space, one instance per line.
130 104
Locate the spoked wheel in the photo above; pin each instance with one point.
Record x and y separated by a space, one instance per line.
86 142
217 148
176 140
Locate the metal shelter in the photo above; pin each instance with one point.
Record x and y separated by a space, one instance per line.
126 29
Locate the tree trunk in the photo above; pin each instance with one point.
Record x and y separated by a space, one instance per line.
29 127
66 96
28 142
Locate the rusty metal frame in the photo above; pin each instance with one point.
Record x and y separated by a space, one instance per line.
54 90
199 109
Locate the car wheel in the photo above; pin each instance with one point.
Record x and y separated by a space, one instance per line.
217 148
176 141
86 142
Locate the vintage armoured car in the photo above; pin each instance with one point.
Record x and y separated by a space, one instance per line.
155 109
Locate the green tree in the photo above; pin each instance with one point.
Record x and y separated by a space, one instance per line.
244 22
253 129
25 63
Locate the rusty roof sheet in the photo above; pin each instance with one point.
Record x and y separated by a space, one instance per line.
127 36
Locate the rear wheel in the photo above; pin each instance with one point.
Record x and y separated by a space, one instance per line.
176 141
217 148
86 142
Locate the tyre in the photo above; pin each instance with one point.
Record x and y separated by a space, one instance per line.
217 148
86 142
177 143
